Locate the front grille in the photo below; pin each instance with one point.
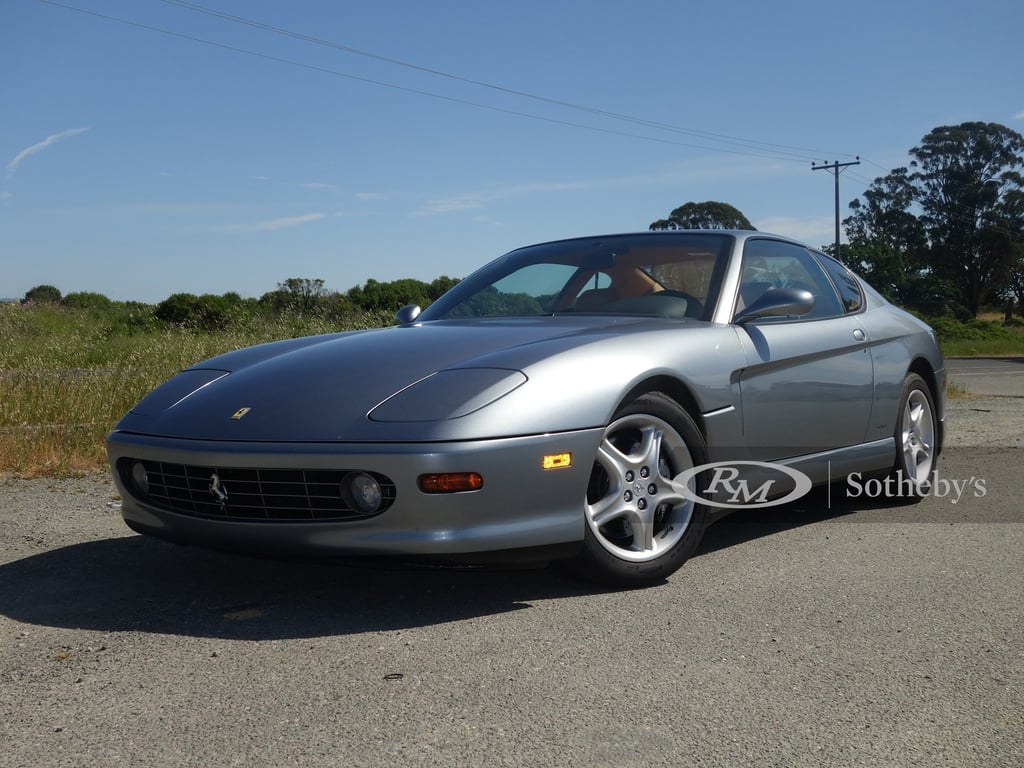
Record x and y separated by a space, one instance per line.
251 495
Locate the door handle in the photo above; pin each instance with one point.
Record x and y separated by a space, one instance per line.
858 334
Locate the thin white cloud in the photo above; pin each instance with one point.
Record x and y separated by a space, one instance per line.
50 140
1019 115
475 201
450 205
816 231
581 185
316 185
690 173
272 225
370 196
172 209
5 197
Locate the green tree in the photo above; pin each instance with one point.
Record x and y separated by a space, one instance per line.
304 288
950 225
1015 289
966 176
42 294
440 286
390 296
302 295
207 312
87 300
1004 234
706 215
887 242
177 309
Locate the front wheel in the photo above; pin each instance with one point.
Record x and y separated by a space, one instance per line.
641 524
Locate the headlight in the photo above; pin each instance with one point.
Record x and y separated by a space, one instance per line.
140 477
362 492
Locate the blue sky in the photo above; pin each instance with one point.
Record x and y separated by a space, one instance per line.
347 141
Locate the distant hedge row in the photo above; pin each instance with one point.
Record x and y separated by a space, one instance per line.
294 297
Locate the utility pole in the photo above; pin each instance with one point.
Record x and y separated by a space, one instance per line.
836 168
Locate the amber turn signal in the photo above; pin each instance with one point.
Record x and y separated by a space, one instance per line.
451 482
556 461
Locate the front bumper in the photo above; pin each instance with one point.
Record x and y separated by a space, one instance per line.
521 506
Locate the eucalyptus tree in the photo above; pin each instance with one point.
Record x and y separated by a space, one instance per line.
887 241
706 215
951 219
965 176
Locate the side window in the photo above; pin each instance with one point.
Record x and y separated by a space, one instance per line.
847 285
771 264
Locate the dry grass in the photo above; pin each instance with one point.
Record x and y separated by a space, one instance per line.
55 421
956 389
67 377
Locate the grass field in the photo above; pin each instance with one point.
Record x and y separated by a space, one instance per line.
67 375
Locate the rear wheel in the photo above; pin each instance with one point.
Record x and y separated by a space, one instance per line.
916 439
641 524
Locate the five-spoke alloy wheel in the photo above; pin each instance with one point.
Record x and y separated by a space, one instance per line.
916 439
641 523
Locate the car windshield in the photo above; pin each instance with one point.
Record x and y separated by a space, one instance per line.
669 274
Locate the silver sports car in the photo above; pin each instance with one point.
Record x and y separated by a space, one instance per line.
598 400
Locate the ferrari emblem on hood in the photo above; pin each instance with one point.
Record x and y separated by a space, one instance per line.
240 413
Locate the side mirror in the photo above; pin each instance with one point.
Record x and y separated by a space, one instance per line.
408 314
778 302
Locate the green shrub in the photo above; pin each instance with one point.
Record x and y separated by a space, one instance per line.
42 294
207 312
87 300
949 329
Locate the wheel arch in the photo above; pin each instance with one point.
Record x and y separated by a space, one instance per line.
674 389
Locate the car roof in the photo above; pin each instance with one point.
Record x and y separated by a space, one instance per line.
738 234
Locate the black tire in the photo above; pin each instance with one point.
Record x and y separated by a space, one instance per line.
639 527
916 440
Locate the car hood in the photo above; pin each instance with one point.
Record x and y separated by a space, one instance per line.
400 383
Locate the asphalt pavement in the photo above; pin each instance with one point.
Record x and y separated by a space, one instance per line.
853 633
996 376
863 636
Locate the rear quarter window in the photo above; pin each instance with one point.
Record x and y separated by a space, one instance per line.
848 286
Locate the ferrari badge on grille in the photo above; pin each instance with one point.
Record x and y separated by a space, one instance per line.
220 493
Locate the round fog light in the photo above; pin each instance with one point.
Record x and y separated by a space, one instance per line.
363 491
140 477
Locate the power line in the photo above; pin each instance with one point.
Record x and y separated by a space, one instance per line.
723 138
751 148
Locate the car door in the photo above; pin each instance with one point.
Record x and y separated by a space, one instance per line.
807 386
